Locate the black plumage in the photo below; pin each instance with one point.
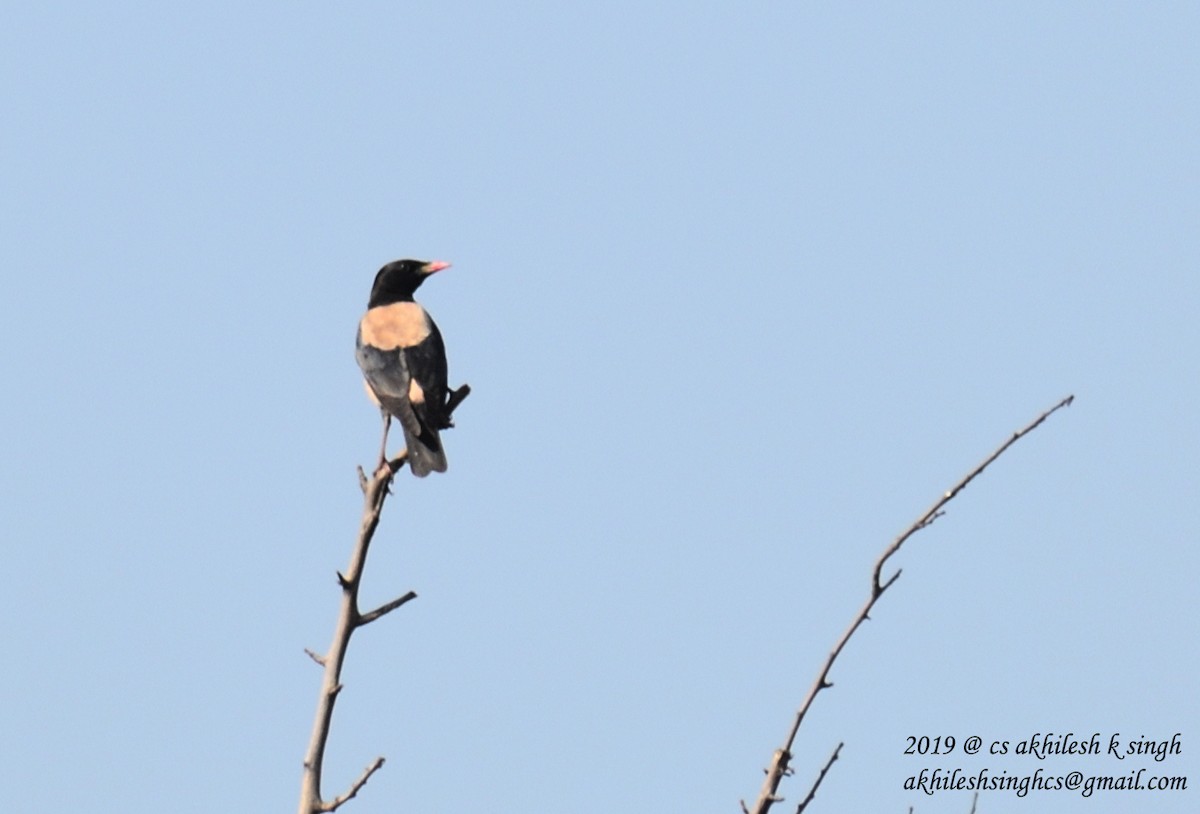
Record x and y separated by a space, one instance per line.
403 359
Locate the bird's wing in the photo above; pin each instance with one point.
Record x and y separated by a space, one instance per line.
387 375
426 363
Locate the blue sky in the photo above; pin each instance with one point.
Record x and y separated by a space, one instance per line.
740 289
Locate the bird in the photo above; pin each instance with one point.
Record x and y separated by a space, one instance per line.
403 360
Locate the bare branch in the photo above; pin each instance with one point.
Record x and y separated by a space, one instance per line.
778 767
375 491
456 398
935 511
312 655
812 792
333 804
974 801
383 610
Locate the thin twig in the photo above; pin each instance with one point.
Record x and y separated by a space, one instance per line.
456 398
375 491
974 801
935 511
370 616
812 792
779 765
336 802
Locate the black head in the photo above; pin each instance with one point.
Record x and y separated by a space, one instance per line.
397 281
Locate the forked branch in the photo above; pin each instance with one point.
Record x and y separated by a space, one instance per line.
375 492
779 765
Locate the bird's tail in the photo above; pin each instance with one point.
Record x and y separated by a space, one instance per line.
425 453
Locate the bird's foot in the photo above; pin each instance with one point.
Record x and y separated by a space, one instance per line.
384 467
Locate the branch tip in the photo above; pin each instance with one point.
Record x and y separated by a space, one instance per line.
812 792
337 802
457 397
383 610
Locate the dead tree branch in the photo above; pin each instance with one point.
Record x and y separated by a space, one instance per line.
779 766
375 492
812 792
336 802
371 616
